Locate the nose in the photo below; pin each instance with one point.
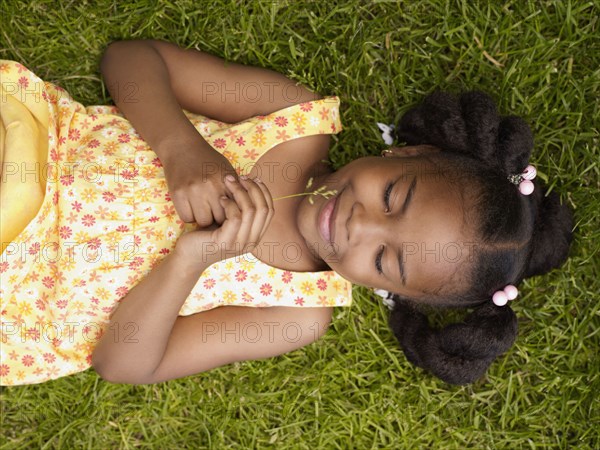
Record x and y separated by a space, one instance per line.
367 226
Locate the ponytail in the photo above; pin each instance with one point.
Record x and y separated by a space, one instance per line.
552 235
459 353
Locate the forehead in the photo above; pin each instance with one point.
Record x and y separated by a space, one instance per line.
422 166
435 242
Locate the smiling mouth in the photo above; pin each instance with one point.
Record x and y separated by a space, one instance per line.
326 220
332 219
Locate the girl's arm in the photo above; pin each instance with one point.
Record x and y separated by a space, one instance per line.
146 342
151 81
135 339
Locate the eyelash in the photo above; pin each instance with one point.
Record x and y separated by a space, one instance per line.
386 196
378 262
386 199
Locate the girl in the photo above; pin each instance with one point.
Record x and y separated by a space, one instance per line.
439 222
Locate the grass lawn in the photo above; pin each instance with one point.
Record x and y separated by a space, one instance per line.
354 388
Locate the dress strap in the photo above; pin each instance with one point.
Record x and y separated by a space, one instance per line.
245 142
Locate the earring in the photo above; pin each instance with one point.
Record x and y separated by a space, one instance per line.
386 152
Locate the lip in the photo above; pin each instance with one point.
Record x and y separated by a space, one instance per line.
332 220
326 220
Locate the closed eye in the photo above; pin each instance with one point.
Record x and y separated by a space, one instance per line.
378 261
386 196
386 201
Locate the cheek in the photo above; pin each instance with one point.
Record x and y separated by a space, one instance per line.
356 270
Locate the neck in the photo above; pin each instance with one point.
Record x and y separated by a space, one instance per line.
284 229
319 176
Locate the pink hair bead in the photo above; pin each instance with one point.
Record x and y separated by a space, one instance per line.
511 292
523 180
500 298
526 187
529 173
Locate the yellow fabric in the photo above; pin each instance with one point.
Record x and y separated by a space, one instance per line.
23 153
107 219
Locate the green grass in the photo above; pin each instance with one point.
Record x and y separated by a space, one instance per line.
354 388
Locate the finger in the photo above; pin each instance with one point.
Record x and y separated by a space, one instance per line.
182 207
270 205
197 199
262 209
247 208
199 210
217 209
203 214
228 232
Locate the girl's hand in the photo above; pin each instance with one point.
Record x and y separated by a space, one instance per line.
195 181
248 211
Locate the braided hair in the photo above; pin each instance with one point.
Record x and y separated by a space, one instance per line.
518 236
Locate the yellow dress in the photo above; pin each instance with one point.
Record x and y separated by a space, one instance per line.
86 214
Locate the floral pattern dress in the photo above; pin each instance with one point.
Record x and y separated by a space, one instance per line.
107 219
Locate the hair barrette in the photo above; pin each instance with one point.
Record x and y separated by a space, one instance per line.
386 131
523 180
387 297
501 298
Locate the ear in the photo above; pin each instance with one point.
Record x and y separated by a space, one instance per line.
411 150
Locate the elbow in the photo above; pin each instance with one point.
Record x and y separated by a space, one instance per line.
324 322
119 377
111 52
108 53
104 370
116 375
115 48
316 325
109 376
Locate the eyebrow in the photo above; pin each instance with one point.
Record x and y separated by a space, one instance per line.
407 200
409 195
401 267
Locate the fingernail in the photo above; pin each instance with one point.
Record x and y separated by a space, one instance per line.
244 177
230 178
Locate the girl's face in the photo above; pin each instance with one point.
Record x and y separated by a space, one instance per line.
396 223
